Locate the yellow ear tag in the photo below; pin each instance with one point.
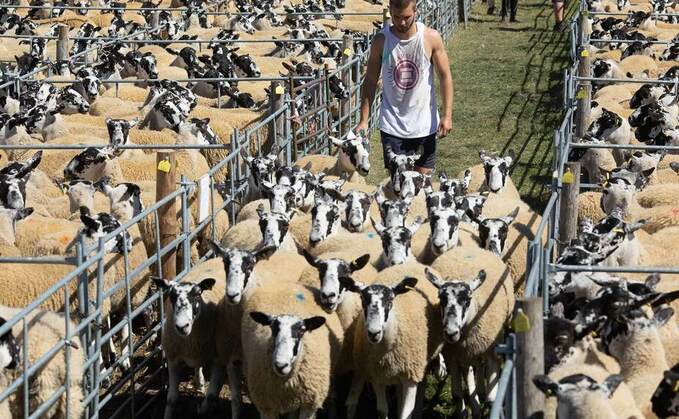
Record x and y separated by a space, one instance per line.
521 322
279 90
347 52
567 177
164 166
594 334
618 230
581 94
584 53
676 387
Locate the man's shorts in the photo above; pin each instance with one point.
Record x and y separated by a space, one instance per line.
411 146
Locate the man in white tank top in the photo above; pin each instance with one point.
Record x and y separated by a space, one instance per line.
404 55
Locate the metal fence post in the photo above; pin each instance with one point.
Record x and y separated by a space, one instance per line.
166 179
345 104
530 359
62 44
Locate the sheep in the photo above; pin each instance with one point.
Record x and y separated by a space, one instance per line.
92 164
614 129
472 334
289 357
190 331
397 336
580 396
273 228
352 158
479 184
42 236
45 332
124 198
8 220
593 159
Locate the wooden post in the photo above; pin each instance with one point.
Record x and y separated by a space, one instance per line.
385 17
529 358
584 94
570 189
166 183
275 104
345 104
62 44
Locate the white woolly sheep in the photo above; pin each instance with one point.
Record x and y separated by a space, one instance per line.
352 158
46 331
580 396
273 230
397 336
291 349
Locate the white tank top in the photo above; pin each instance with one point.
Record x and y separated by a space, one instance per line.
408 107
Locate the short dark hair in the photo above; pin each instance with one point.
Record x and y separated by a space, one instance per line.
402 4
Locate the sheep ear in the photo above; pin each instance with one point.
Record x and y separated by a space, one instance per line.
467 178
407 284
652 280
23 213
478 281
261 318
264 252
134 122
89 222
108 120
662 316
433 278
351 285
218 249
377 226
611 384
546 385
161 283
207 284
313 323
379 195
311 260
510 157
443 176
260 211
359 263
511 216
648 172
632 227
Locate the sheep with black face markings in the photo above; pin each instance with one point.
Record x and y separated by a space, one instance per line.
352 158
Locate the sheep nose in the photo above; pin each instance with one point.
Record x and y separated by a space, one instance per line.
452 336
374 336
235 297
314 241
281 367
183 330
328 296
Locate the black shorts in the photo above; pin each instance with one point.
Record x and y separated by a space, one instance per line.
411 146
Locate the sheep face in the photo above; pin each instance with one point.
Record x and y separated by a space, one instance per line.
246 65
91 86
618 195
80 193
579 395
640 161
378 301
393 213
354 152
273 226
9 350
399 163
187 302
455 187
238 265
100 225
8 219
262 168
412 183
70 102
645 95
338 88
287 333
445 230
124 197
396 242
325 221
281 197
493 232
12 192
330 272
438 200
665 400
629 327
39 118
472 205
357 208
200 128
119 130
456 298
496 170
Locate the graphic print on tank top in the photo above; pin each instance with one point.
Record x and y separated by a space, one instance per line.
405 74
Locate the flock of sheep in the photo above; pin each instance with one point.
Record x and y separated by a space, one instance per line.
610 339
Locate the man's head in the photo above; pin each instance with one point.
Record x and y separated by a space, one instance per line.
403 14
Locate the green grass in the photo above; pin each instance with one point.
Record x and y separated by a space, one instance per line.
508 83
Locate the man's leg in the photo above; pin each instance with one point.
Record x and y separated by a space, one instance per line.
427 161
512 11
491 6
389 142
559 24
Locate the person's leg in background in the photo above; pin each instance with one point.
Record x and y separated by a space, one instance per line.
511 5
559 24
491 6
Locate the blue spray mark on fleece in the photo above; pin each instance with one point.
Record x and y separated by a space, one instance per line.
299 296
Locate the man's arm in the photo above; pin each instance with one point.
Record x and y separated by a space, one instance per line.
372 75
439 58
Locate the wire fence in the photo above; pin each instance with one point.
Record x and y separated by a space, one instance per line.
105 298
543 252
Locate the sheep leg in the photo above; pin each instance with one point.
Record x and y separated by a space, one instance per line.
216 383
493 380
408 396
354 394
235 371
307 413
199 379
382 404
172 389
472 393
125 351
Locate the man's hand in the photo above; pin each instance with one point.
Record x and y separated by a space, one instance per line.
362 126
445 126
